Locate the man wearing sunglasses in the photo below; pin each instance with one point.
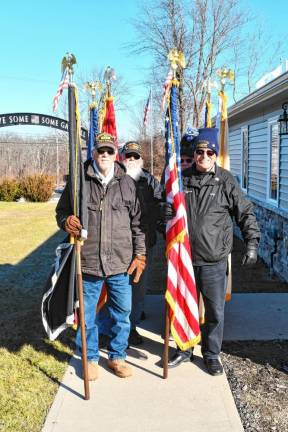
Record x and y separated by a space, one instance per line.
214 200
152 202
114 249
186 149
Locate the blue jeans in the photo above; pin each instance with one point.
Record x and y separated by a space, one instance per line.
138 296
119 308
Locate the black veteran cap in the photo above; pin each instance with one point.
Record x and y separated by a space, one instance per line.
132 147
104 140
207 139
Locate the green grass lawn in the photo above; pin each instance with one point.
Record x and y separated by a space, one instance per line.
31 367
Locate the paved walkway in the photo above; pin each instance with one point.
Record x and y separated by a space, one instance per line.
190 399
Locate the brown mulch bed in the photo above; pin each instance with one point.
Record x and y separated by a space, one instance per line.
258 378
257 371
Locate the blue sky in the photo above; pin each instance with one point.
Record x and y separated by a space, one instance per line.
35 36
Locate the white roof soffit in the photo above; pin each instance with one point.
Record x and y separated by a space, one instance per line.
263 96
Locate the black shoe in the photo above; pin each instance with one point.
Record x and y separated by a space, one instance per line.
180 357
135 338
213 366
103 341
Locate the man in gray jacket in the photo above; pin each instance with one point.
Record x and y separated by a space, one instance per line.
114 249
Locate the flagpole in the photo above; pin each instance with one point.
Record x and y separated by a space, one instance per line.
68 61
151 135
166 341
174 58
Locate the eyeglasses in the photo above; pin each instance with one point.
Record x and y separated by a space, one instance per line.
109 151
209 153
134 155
187 160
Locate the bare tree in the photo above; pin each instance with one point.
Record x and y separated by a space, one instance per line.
204 30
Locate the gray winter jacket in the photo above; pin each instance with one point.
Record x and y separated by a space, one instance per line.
115 231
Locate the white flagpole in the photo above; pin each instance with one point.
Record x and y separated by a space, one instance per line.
151 133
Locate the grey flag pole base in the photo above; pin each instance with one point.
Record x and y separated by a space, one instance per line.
82 319
166 341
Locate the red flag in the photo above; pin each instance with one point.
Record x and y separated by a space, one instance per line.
108 126
109 121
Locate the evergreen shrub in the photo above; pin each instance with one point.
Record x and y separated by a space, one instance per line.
37 187
10 189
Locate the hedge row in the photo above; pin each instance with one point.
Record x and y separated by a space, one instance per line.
35 188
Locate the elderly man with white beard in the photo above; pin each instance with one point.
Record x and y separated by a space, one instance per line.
153 209
152 202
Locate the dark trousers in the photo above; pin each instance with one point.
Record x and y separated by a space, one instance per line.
211 281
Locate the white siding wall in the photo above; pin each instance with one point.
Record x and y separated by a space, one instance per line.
257 166
235 151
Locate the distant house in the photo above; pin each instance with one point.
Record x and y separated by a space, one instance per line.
259 160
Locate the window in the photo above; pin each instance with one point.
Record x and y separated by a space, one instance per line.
245 148
273 177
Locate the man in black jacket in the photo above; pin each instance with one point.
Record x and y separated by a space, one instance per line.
213 199
152 201
114 249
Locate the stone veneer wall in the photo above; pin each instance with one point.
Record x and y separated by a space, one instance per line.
273 248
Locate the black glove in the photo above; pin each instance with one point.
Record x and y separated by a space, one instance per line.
250 256
166 212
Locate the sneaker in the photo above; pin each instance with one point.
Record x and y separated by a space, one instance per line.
120 368
93 371
135 338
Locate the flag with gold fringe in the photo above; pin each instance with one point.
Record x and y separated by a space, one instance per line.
208 105
181 293
108 126
109 120
59 299
224 162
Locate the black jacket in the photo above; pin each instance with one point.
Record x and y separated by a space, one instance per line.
212 201
115 231
151 195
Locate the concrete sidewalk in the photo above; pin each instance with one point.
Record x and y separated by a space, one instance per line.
190 399
256 317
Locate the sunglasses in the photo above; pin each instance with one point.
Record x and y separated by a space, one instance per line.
109 151
209 153
187 160
134 155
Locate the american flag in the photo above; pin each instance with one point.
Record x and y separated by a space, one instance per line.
147 109
181 293
166 88
64 83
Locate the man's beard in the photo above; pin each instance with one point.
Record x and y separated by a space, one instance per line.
134 168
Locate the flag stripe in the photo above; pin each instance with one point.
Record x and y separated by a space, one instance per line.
147 109
181 291
64 83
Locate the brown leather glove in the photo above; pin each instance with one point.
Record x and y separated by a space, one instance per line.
138 264
73 225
